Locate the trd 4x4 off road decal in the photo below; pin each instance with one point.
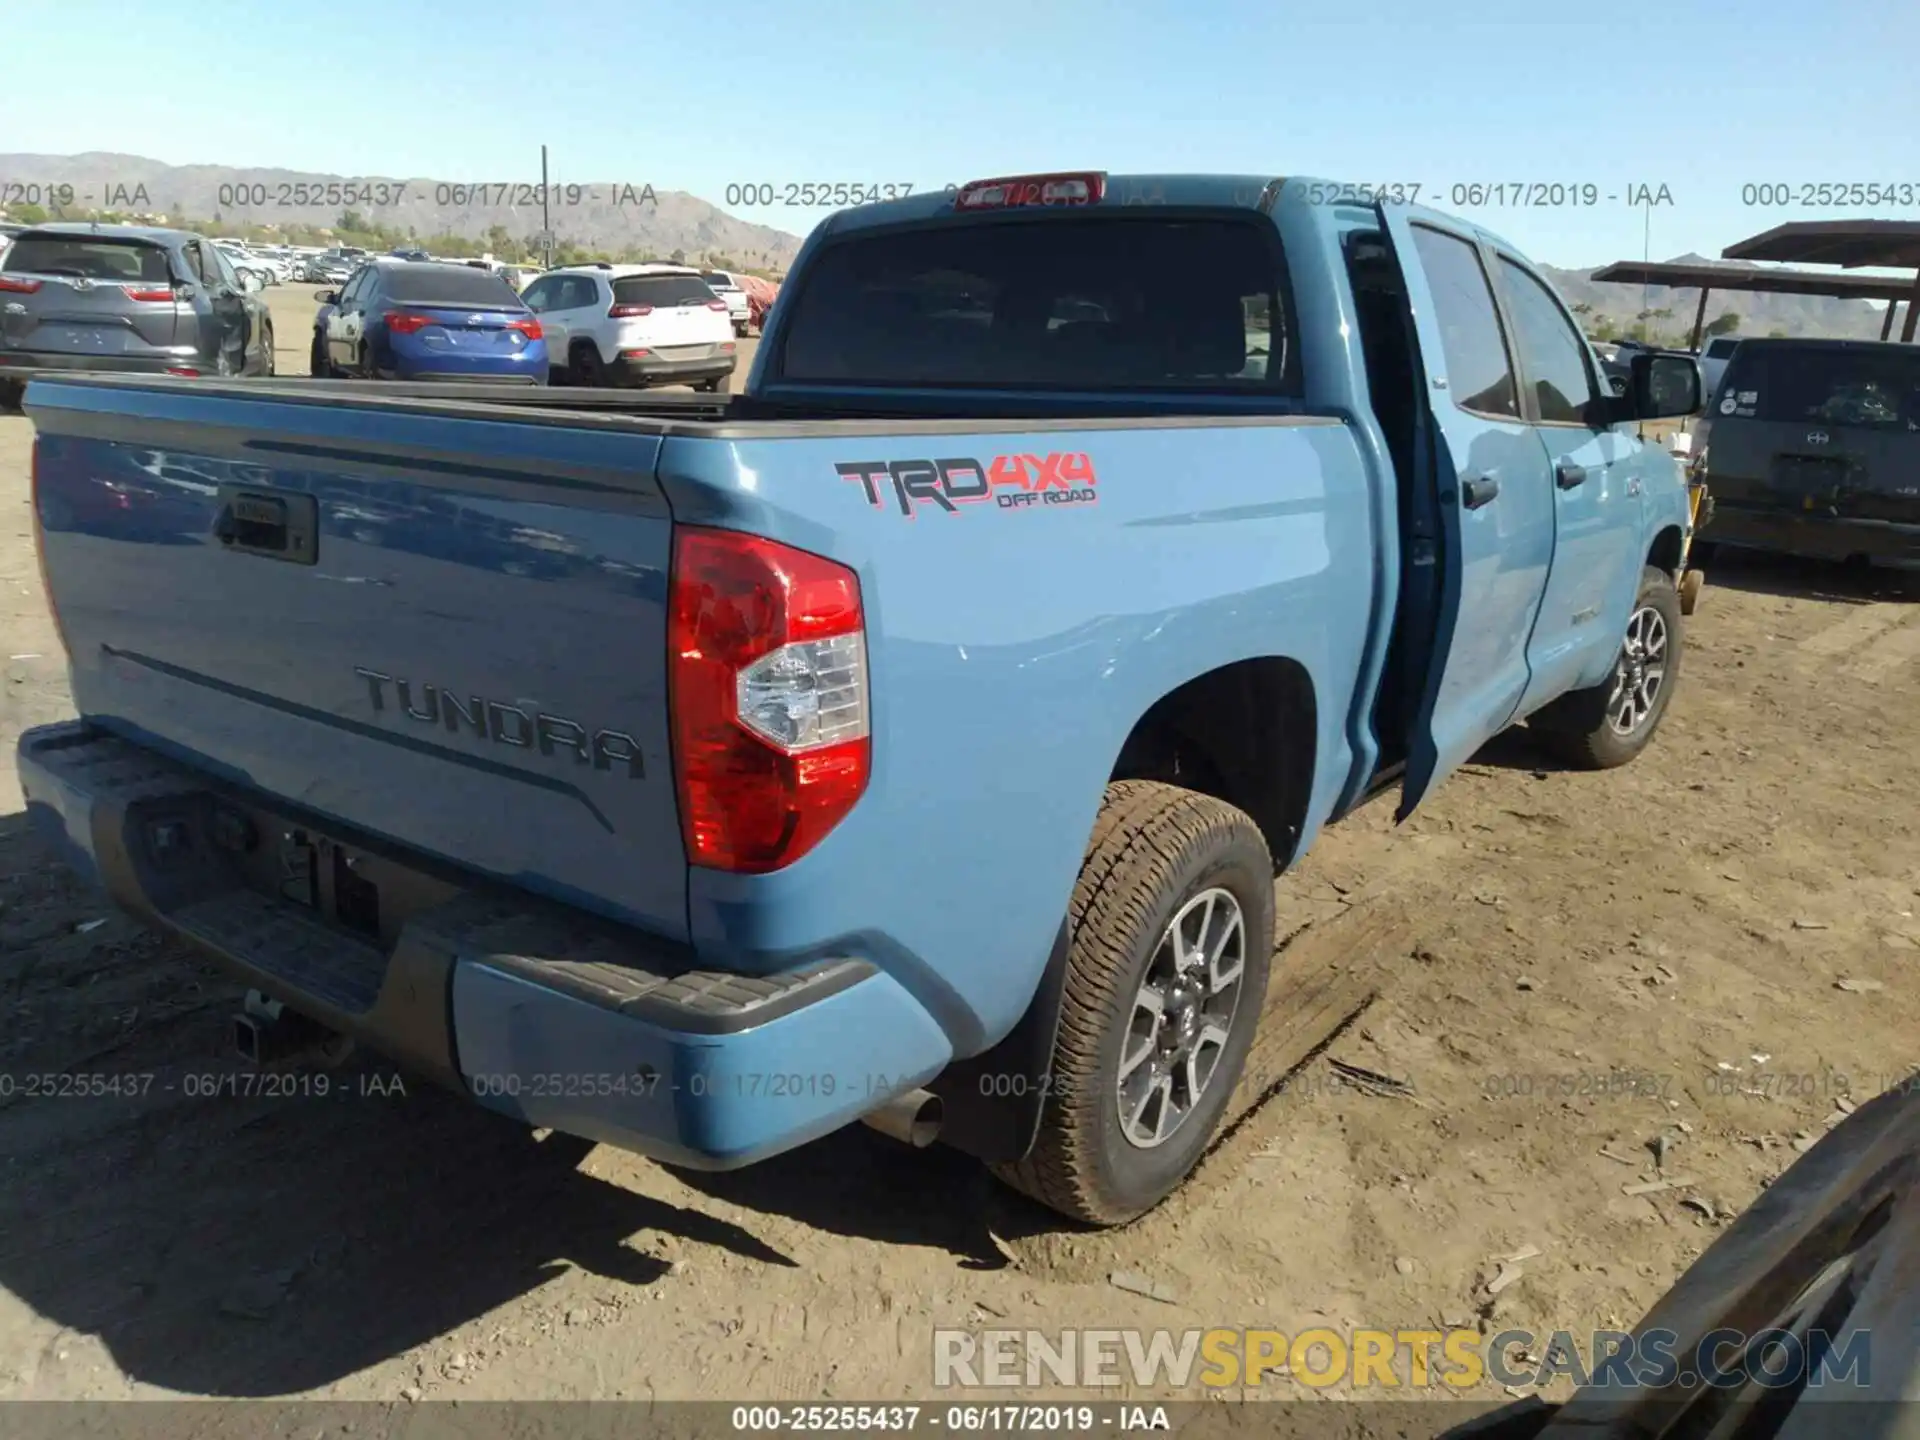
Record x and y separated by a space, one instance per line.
1011 482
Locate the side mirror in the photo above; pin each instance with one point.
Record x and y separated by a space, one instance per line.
327 297
1665 386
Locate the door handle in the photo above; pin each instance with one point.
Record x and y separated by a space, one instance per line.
1475 493
1569 474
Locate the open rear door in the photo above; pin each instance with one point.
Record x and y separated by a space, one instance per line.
1485 487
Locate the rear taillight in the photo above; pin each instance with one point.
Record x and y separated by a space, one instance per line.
148 294
401 322
528 327
187 370
720 305
628 312
14 285
771 731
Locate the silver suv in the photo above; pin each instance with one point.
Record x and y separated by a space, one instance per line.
126 297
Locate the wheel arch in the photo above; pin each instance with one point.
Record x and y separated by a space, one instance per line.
1664 552
1246 733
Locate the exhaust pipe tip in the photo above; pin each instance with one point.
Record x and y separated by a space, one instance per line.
913 1118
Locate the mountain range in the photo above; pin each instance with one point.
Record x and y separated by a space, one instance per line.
612 215
1760 312
631 216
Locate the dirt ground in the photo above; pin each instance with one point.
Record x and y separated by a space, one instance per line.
1683 922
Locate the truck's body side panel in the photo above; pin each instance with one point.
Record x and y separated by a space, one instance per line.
513 577
1011 652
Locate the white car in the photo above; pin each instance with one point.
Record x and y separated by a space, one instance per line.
1713 364
728 289
243 260
633 325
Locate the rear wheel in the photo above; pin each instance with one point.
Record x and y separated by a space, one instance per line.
267 361
1610 723
1170 934
317 365
584 365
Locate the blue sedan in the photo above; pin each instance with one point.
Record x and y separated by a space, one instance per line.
408 320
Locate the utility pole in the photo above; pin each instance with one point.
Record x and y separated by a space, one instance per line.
1646 257
546 223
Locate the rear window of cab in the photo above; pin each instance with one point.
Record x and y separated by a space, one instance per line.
1106 302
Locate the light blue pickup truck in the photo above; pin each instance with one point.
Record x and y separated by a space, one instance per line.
912 737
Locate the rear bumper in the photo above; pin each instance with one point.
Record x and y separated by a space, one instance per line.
652 371
1816 536
25 364
413 372
539 1013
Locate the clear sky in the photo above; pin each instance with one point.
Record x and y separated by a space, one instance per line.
1702 98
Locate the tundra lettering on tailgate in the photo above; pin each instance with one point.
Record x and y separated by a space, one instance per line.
1011 482
505 724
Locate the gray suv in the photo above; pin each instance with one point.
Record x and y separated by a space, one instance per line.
125 297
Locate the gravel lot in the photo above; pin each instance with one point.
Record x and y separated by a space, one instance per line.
1684 921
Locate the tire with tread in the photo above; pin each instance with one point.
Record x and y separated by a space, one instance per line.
584 366
1576 726
1153 846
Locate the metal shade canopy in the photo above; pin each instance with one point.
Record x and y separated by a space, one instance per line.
1894 244
1679 275
1850 244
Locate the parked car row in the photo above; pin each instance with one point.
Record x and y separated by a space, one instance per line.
595 325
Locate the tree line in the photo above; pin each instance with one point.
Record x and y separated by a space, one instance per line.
356 229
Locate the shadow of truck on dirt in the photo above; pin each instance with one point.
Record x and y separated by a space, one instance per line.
228 1242
1796 577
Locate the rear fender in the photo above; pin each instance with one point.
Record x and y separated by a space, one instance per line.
992 1101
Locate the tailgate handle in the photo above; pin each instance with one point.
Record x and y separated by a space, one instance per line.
278 527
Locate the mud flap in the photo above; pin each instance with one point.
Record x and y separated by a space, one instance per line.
992 1101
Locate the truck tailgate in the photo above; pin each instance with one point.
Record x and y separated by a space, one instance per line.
443 630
